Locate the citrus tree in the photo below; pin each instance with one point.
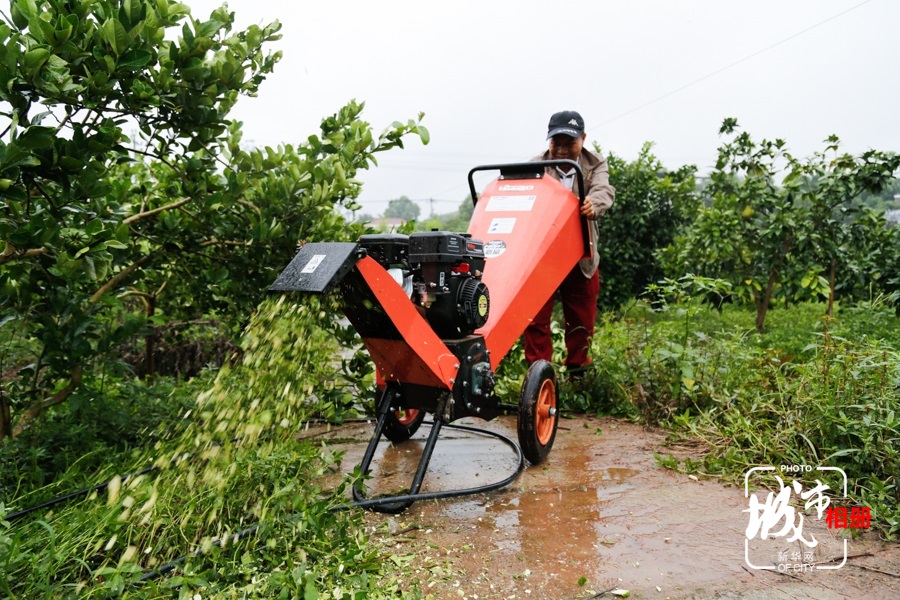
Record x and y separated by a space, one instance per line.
652 206
849 244
780 228
125 192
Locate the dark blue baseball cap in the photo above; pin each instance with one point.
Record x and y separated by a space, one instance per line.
568 122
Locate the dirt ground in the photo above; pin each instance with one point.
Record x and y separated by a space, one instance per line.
599 517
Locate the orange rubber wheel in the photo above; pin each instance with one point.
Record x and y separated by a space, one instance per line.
401 424
538 414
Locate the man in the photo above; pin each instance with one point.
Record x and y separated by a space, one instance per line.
581 286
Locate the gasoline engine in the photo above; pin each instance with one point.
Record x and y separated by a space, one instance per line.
441 273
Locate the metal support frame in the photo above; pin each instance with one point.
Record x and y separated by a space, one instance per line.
384 409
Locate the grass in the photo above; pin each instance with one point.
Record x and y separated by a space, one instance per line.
231 462
808 391
97 432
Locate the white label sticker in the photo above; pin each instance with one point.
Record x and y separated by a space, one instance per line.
510 203
494 248
502 225
313 263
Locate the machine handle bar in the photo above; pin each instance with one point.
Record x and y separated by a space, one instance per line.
527 170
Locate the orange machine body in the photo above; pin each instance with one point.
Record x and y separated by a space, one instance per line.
438 311
526 234
411 352
533 236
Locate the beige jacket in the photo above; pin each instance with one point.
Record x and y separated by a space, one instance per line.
600 192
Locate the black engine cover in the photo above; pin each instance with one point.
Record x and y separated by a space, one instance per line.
447 280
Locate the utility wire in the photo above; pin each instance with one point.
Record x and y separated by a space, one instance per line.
726 67
703 78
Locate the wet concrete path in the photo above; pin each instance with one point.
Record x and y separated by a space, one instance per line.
598 515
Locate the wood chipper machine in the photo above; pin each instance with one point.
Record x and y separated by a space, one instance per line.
438 310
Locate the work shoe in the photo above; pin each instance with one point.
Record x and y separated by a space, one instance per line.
577 375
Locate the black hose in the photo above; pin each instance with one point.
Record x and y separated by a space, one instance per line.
102 486
170 566
364 504
449 493
97 488
374 502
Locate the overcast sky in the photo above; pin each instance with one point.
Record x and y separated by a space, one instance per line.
489 74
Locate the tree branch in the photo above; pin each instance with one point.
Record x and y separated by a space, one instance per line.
144 296
150 213
251 205
159 158
5 417
118 278
181 324
63 122
38 406
11 253
215 242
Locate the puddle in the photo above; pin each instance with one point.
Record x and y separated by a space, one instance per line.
460 460
599 510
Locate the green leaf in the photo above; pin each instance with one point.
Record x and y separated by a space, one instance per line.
28 8
310 592
15 193
36 138
35 59
19 19
90 267
135 59
113 32
45 29
93 227
64 27
70 163
839 453
17 157
132 10
424 135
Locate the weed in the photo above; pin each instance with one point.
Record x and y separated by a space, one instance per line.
229 464
811 391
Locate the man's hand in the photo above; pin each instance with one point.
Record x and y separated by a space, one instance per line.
587 209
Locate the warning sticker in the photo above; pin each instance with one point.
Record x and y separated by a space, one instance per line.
313 263
510 203
502 225
494 248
